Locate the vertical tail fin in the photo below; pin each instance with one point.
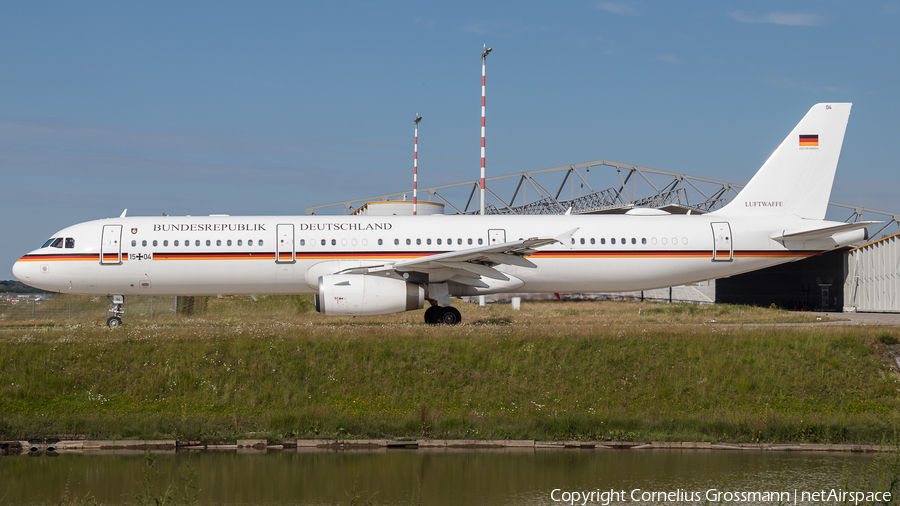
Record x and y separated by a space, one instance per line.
797 178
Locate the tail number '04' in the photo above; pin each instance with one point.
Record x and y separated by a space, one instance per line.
140 256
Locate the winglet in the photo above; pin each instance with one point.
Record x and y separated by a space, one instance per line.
123 213
564 238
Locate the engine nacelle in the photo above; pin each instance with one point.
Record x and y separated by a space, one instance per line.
365 295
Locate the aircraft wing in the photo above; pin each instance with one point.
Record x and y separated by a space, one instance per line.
469 265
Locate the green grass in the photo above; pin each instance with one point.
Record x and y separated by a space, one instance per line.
573 370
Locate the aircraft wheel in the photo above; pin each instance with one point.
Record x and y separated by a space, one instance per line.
449 316
431 314
113 322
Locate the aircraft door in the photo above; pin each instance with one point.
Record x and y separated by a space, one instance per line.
111 245
496 236
285 253
723 250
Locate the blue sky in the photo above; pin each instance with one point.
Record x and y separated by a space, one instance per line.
268 107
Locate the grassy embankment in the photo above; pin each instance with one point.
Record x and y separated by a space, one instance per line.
571 370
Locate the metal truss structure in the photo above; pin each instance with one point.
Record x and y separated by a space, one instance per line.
596 187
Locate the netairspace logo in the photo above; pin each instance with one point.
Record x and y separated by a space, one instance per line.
638 496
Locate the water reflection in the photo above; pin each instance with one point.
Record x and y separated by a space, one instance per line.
433 477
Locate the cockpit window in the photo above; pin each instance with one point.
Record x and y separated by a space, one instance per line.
70 242
46 244
57 243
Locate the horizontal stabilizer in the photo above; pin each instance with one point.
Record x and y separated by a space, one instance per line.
823 233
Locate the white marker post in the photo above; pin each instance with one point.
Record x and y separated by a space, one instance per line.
416 167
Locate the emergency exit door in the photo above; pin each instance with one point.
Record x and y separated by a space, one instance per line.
496 236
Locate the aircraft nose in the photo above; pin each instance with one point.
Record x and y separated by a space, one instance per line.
20 271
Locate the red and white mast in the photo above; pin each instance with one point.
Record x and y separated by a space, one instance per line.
483 60
416 166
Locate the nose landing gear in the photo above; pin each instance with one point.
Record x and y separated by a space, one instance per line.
116 319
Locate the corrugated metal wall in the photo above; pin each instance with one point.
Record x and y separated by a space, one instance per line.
872 283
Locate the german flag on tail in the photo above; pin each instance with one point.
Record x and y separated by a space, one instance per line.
809 140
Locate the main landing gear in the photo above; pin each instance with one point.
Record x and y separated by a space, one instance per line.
441 315
116 319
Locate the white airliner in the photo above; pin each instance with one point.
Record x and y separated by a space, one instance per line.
357 265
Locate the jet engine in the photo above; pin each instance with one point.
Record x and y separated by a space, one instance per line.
367 295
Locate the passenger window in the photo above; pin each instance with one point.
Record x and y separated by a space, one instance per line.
633 240
333 242
302 242
240 242
133 242
459 241
480 241
582 240
197 242
439 242
207 242
612 241
592 240
322 242
684 240
603 240
396 242
250 242
155 243
70 242
470 240
260 242
187 243
573 240
643 240
449 242
418 242
166 242
428 242
380 242
665 241
229 242
144 243
218 242
623 240
674 241
176 242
